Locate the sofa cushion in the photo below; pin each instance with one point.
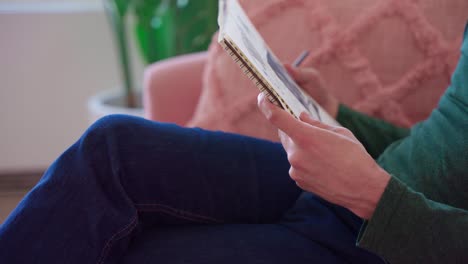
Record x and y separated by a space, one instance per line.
391 59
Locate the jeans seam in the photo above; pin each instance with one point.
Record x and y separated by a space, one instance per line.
109 242
156 208
177 213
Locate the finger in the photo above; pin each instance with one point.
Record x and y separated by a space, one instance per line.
285 140
301 179
288 144
303 75
295 174
284 121
314 122
334 129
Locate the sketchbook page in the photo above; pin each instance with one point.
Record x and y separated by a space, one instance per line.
235 25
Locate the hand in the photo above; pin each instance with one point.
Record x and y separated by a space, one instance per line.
328 161
312 83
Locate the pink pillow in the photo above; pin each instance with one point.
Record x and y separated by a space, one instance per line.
391 59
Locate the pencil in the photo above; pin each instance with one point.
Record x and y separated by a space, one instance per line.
301 58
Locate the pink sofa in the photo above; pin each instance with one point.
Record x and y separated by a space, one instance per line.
391 59
172 88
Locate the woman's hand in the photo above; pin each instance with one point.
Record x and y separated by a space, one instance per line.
312 83
328 161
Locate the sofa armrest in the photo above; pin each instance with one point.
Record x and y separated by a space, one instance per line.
172 88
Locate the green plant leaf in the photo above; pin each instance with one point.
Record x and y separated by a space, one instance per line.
167 28
146 14
115 11
122 6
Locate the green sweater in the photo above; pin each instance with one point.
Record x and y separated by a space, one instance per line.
422 216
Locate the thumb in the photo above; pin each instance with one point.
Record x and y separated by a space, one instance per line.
337 130
306 118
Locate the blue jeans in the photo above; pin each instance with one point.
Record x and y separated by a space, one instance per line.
128 177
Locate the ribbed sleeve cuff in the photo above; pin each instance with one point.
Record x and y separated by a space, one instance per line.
373 233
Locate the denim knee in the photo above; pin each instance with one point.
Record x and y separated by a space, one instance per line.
91 166
107 129
98 148
110 124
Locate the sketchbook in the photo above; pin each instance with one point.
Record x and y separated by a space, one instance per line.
241 40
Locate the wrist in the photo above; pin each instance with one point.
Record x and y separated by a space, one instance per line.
372 194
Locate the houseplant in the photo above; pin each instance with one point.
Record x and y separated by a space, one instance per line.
162 29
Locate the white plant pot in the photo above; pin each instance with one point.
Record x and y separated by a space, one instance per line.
112 102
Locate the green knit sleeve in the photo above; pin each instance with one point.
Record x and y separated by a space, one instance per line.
374 134
433 159
422 216
407 227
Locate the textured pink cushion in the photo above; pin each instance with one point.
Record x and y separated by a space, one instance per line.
391 58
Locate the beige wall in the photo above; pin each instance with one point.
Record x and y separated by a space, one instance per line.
50 63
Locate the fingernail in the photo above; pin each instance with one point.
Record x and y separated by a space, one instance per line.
264 107
304 116
260 97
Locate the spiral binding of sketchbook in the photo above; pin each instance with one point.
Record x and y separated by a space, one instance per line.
249 70
241 40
